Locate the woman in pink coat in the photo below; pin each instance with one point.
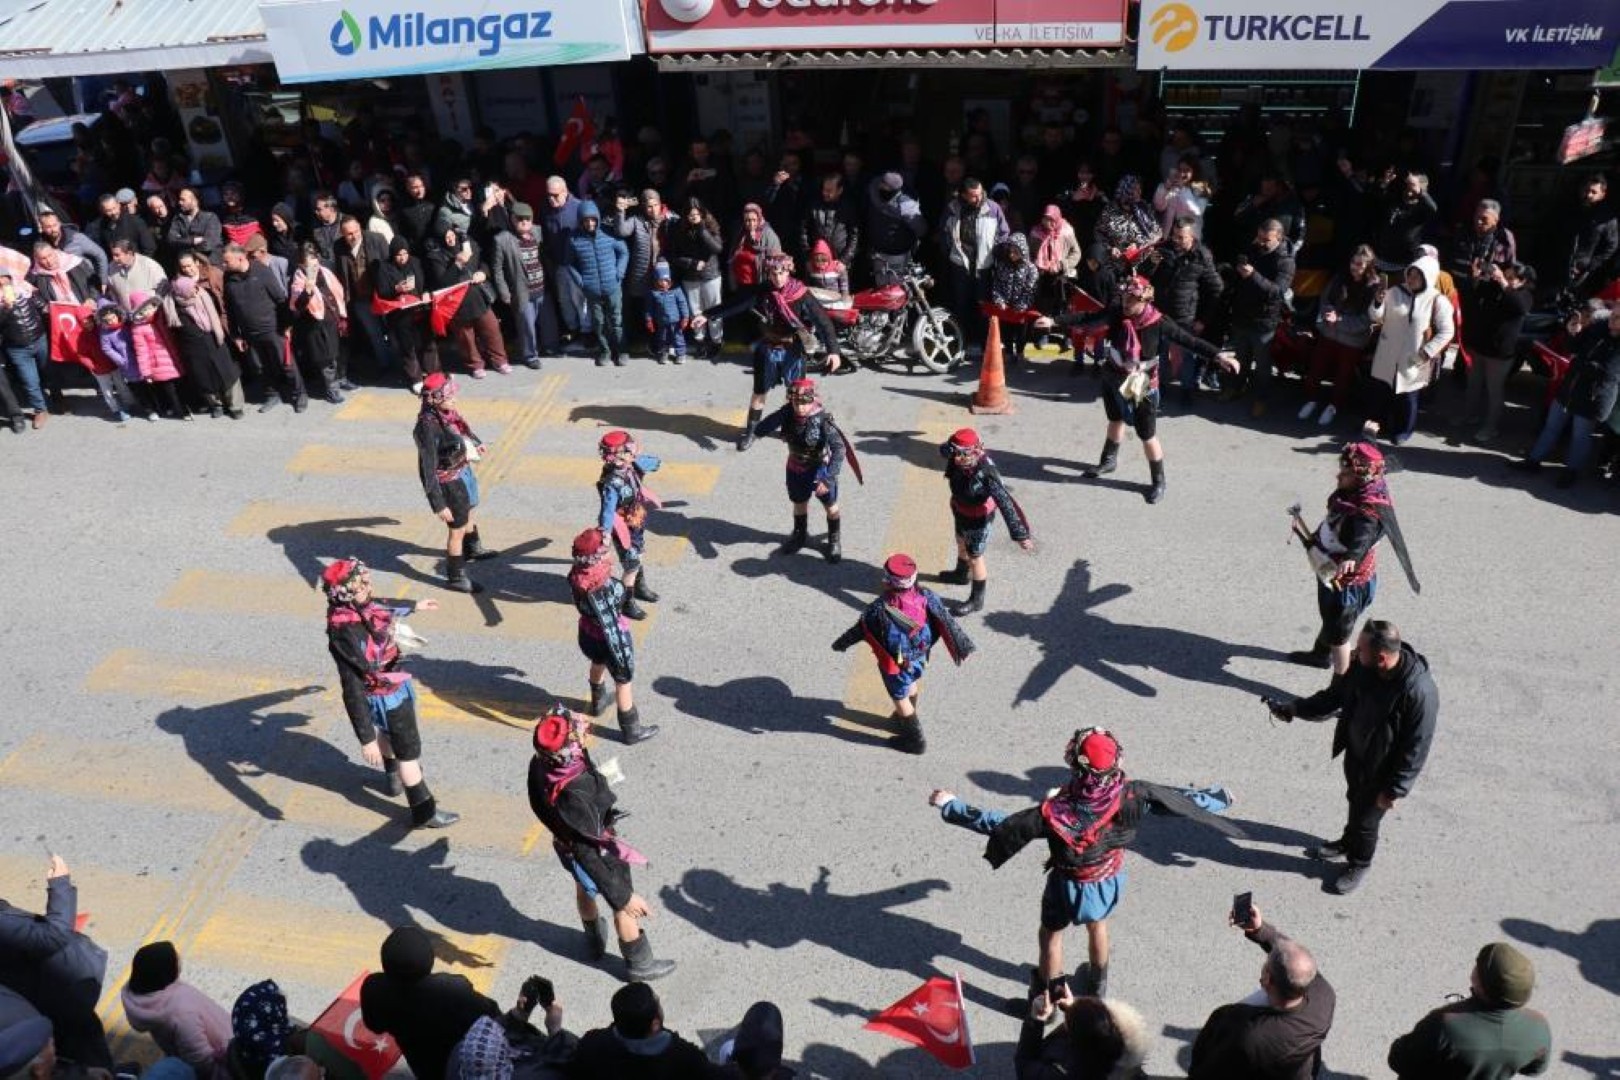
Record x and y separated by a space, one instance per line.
156 354
183 1022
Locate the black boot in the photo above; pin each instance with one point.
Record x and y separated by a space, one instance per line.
425 812
600 695
455 575
797 538
1098 983
974 602
746 439
631 729
598 932
472 547
641 592
1317 656
911 739
1110 459
631 609
1155 491
641 964
835 545
959 576
396 786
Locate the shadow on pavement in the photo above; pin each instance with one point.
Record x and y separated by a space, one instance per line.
1073 635
1601 1068
1596 949
762 704
912 448
860 926
705 431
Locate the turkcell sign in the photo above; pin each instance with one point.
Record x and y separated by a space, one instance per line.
315 40
1412 35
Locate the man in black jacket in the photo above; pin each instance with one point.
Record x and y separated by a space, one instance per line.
1187 285
114 225
58 970
638 1045
1387 706
834 218
427 1014
1277 1033
1265 276
1593 237
255 303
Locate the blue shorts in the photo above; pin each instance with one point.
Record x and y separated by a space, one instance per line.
776 365
1342 608
1067 902
802 485
900 683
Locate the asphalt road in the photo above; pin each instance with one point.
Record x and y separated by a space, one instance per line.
172 728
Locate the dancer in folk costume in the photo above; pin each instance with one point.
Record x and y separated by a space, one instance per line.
604 635
623 516
446 449
362 632
817 450
901 626
977 492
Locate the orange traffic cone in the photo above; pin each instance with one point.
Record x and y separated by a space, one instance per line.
992 393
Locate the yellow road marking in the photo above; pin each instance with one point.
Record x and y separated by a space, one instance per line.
920 525
319 459
265 517
121 906
279 595
376 406
321 946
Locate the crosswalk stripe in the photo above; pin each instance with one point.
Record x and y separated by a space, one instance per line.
121 905
307 944
919 524
268 518
143 673
319 459
375 406
280 595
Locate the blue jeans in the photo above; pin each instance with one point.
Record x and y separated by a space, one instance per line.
32 363
1580 439
535 312
607 315
1253 348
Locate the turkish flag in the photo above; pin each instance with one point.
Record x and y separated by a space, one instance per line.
382 306
73 337
933 1017
341 1026
578 133
446 302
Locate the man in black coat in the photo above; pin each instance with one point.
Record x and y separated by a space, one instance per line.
1187 286
1592 238
638 1045
114 225
832 217
58 970
1278 1033
427 1014
1265 278
1387 706
255 304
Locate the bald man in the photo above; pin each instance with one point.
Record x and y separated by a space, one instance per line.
1277 1032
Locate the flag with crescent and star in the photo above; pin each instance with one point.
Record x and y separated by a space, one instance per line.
73 337
578 134
934 1017
340 1025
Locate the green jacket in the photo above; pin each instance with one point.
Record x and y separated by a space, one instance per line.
1472 1041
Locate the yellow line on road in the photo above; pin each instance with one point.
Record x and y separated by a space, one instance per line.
319 459
121 905
376 406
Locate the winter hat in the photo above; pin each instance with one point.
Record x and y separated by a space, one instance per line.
900 571
891 181
407 954
588 545
1092 749
154 967
284 211
965 437
587 209
999 190
522 211
661 271
22 1042
551 733
615 442
485 1054
259 1023
758 1046
1506 976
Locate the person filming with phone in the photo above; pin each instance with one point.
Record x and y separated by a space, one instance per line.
1277 1032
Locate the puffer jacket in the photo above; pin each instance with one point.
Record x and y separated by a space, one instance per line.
596 261
155 351
1186 284
691 245
23 322
636 232
667 307
1593 383
186 1024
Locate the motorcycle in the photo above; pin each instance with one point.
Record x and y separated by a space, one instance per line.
895 321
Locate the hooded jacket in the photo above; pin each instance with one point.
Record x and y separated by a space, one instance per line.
1257 300
1385 722
1186 284
893 225
637 234
186 1024
1012 285
595 260
426 1013
837 222
1415 331
1042 1056
380 222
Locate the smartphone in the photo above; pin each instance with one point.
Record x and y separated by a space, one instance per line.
545 995
1243 908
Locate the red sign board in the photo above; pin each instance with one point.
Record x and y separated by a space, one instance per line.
773 25
1581 140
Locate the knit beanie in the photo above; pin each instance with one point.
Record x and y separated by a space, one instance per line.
758 1048
153 967
1506 975
407 954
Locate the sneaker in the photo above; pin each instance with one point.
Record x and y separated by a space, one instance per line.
532 363
416 387
476 374
151 418
601 361
1332 851
269 403
122 417
503 369
1307 410
680 358
345 384
1327 416
1349 881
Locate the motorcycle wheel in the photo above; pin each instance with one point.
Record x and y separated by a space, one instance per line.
938 344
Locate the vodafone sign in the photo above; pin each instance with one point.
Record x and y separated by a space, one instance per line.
765 25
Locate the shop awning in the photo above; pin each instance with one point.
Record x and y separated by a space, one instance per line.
52 38
900 58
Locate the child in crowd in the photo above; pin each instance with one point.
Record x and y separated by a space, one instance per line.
827 274
668 316
156 356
